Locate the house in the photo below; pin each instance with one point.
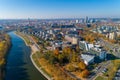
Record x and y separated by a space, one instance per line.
57 45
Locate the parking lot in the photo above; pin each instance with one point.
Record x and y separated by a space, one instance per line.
117 75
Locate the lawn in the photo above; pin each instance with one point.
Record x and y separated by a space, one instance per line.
35 60
24 37
100 78
112 69
39 65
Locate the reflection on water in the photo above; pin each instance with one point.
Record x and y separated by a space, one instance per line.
19 66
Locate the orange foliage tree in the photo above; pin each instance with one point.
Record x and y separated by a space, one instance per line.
84 73
56 51
90 38
82 65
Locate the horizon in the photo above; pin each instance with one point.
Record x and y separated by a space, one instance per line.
59 18
59 9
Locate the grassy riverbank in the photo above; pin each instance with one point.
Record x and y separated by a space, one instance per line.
36 60
24 37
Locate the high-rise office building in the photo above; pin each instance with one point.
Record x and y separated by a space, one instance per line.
86 19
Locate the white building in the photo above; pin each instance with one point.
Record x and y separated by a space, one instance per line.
111 35
87 46
77 21
87 58
94 49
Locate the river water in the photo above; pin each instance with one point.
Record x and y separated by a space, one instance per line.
19 65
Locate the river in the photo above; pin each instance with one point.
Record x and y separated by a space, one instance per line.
19 65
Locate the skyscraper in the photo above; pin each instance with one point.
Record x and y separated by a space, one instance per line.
86 19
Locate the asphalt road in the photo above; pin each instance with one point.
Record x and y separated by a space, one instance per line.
111 47
101 68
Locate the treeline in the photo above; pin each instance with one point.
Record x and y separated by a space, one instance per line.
4 47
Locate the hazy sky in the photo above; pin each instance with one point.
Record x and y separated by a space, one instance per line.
59 8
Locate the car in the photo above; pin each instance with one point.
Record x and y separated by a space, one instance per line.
104 70
98 67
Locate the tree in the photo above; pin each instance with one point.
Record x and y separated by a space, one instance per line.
56 51
82 65
70 67
61 57
52 59
84 73
47 55
67 50
74 57
77 49
90 38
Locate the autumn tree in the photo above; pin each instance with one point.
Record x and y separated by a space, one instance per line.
70 67
74 57
61 57
77 49
52 59
84 73
56 51
82 65
67 50
90 38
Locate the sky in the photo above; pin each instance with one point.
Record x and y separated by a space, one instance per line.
44 9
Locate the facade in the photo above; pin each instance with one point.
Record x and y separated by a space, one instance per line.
102 55
93 49
74 40
71 38
85 45
111 35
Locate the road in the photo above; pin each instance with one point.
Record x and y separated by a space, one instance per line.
111 47
97 72
33 41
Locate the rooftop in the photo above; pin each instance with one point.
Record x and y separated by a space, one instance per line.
87 57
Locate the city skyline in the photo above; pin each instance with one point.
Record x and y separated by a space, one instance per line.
48 9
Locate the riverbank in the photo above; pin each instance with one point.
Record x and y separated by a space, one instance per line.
33 51
22 38
5 45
